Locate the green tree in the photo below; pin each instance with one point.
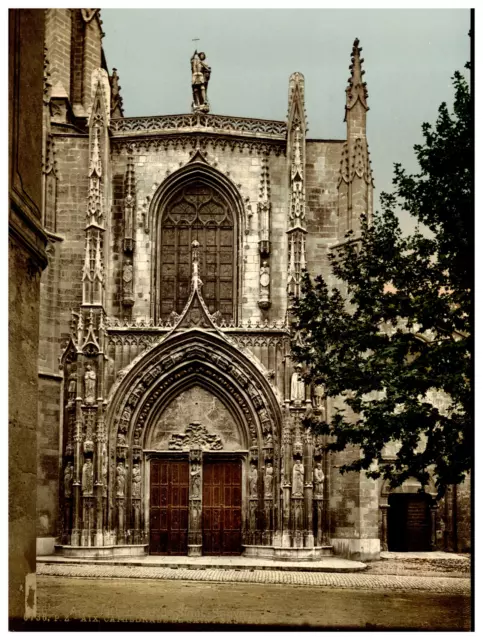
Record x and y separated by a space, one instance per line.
401 329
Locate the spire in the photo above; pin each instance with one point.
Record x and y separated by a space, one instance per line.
117 110
357 88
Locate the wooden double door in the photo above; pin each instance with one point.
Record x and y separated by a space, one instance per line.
169 507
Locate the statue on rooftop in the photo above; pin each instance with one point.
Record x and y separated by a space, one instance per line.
200 75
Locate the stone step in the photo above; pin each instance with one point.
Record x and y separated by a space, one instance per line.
328 564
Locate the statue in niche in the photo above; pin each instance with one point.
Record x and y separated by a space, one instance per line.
298 479
104 470
318 480
72 388
253 480
87 478
90 385
136 481
264 300
68 479
269 480
297 386
195 481
121 439
200 76
127 275
120 480
319 397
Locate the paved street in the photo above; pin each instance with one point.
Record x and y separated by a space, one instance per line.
268 598
257 576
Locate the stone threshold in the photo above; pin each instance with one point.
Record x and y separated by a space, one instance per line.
328 564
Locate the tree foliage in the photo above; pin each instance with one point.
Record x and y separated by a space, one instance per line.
397 325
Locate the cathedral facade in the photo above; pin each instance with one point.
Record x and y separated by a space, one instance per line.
170 409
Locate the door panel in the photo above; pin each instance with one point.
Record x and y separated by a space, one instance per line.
409 523
168 509
222 508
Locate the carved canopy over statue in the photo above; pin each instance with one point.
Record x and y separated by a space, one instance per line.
200 75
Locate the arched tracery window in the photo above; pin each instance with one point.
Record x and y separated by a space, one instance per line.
198 212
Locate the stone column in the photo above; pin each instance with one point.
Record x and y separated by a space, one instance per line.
286 483
268 490
384 509
434 541
308 489
195 534
319 511
76 485
253 497
120 501
297 485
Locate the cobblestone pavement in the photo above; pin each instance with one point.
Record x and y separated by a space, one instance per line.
338 580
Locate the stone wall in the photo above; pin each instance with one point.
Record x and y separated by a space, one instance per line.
27 258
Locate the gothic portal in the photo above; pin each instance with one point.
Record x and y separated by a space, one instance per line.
175 422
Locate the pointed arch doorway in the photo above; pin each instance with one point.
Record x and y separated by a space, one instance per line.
195 495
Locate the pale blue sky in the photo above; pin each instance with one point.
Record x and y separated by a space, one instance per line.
409 58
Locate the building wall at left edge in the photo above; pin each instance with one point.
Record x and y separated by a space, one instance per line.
27 259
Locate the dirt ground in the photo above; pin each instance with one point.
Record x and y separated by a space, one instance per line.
103 602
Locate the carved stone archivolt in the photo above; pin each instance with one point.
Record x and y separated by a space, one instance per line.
194 355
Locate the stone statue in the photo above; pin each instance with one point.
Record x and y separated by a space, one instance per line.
319 397
68 479
195 481
269 480
318 480
90 385
87 478
120 480
104 470
72 388
297 386
121 439
127 275
298 479
136 481
253 480
200 75
264 300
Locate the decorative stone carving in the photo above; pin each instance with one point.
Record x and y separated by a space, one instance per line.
116 99
219 124
298 479
268 482
104 470
68 479
253 481
120 480
200 76
136 481
264 299
318 481
196 435
127 283
90 385
195 473
297 386
72 387
88 478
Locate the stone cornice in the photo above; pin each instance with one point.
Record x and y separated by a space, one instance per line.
199 122
27 230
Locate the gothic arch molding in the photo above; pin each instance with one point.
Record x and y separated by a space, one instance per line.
200 171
